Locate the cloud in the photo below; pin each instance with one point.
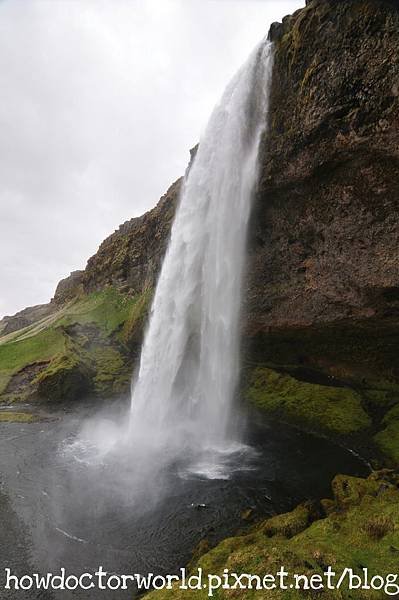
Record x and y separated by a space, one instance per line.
101 101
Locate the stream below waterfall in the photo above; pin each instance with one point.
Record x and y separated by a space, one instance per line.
62 508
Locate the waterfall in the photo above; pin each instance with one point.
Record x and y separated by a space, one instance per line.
183 394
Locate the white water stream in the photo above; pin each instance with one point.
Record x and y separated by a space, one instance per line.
183 394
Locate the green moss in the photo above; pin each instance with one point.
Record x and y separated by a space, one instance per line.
292 42
112 372
16 355
67 376
132 328
108 309
349 491
363 534
388 439
92 360
391 415
310 71
17 417
325 408
380 399
289 524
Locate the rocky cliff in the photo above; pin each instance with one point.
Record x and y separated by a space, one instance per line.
325 237
323 284
130 258
321 318
86 340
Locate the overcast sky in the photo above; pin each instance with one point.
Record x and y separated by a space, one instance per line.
100 102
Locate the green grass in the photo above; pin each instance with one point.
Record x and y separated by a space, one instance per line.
322 408
108 309
5 375
17 417
138 313
114 314
43 346
16 355
111 371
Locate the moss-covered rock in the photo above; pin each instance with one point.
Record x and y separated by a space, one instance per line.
133 328
388 438
336 410
349 491
8 416
84 348
361 531
112 371
290 524
67 377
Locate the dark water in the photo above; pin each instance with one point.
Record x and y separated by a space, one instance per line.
58 511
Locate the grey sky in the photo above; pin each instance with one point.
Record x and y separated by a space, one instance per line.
100 101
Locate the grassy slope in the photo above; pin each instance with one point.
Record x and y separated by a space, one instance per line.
15 355
48 339
108 309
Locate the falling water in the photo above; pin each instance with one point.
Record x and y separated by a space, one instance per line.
182 397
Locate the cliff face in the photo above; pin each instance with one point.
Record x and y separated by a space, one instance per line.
130 258
322 294
325 245
323 285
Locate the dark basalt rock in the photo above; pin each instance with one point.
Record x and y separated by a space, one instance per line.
276 31
68 288
325 232
131 257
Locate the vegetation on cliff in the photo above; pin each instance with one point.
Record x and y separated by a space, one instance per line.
334 410
83 348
